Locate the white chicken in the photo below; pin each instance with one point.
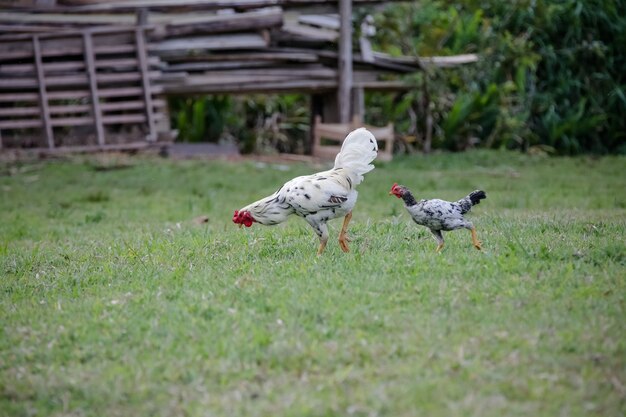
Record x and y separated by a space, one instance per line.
319 197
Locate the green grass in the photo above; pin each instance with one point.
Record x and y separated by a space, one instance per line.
115 303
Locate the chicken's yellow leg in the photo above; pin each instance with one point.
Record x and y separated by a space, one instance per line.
322 247
475 240
343 239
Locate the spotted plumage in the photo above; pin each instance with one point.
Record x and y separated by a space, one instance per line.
439 215
320 197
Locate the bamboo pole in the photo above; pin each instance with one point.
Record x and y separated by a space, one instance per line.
93 86
43 97
147 94
345 61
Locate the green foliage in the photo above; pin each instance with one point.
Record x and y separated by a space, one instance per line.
550 77
201 119
262 123
558 68
121 305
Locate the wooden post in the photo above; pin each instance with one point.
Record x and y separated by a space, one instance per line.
93 86
147 94
142 16
345 61
358 102
428 134
43 97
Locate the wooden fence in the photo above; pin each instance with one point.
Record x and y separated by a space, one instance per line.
83 89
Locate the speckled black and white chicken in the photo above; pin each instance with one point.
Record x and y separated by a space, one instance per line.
320 197
440 215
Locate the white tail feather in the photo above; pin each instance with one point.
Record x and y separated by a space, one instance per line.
359 149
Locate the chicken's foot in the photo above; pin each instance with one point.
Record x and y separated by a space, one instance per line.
475 241
439 238
343 239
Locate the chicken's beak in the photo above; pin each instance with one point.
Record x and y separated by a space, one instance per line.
240 225
390 192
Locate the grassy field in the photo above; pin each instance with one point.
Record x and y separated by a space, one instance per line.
114 302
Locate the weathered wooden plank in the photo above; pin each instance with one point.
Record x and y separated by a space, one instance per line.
215 42
257 74
145 82
99 50
19 111
20 124
75 80
211 66
131 5
125 119
65 19
43 98
93 87
296 30
130 105
73 121
76 108
77 94
10 30
448 61
221 23
248 56
127 91
324 21
89 148
208 80
18 97
243 88
52 67
106 119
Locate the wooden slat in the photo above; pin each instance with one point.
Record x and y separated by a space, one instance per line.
93 87
17 97
88 148
131 5
99 50
193 24
145 81
216 42
298 31
79 108
43 97
277 55
78 94
75 80
253 87
127 91
64 19
129 105
124 119
70 43
73 121
19 111
323 21
20 124
50 67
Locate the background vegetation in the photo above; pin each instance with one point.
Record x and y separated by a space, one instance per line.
116 301
551 78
